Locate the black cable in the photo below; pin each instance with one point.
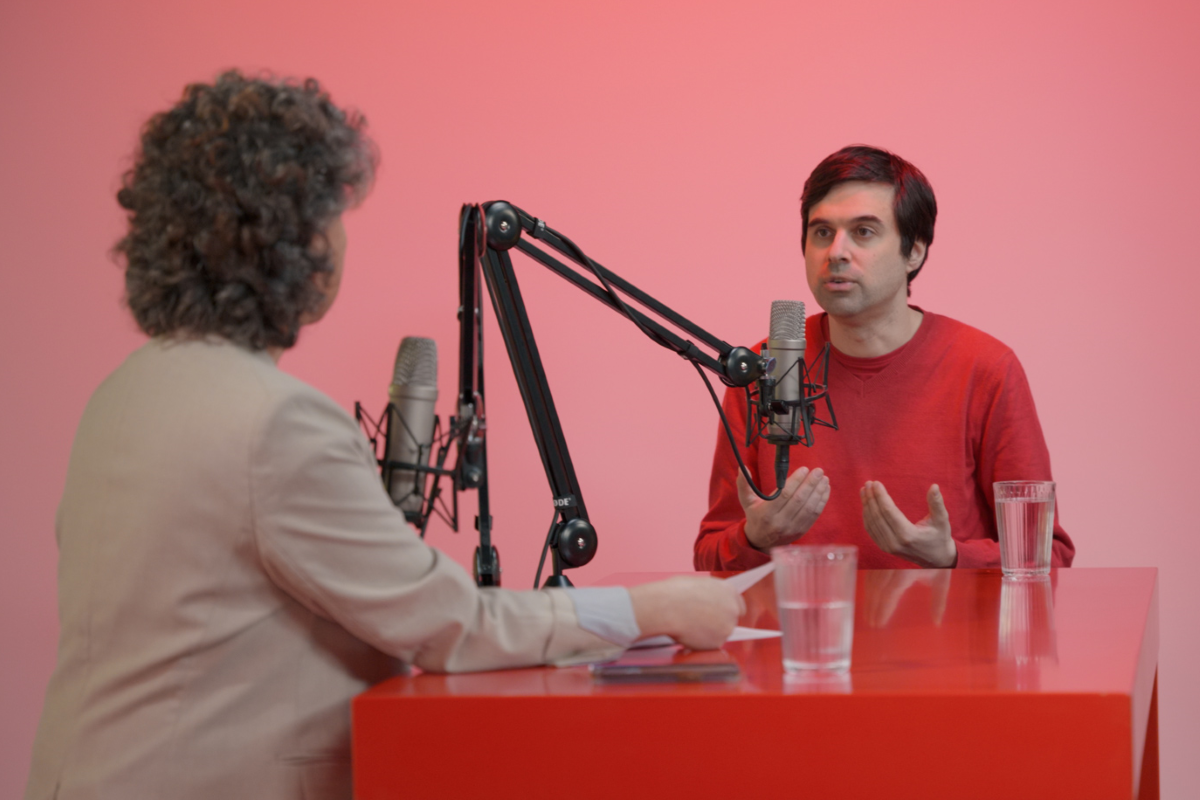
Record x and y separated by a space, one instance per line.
537 579
732 444
587 262
592 267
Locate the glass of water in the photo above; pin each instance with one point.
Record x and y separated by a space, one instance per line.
814 587
1025 521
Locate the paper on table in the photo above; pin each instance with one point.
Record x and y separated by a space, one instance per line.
739 634
744 580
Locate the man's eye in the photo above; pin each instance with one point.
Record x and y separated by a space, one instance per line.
864 231
821 232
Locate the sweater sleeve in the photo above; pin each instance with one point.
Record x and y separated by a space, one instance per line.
722 543
1010 447
329 536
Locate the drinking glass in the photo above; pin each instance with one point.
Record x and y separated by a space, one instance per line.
1025 521
814 587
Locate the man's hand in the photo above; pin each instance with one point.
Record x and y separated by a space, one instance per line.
697 611
927 543
788 517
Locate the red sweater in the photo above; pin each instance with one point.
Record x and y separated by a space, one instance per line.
950 407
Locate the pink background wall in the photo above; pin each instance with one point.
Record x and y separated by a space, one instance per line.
670 140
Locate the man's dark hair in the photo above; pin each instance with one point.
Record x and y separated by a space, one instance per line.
914 207
228 199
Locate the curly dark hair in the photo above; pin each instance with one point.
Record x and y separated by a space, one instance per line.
228 198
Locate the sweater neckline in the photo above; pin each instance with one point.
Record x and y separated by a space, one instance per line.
876 372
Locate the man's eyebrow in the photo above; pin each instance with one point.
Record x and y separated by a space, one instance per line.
856 220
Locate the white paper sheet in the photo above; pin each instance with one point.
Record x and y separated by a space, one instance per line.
739 634
744 580
741 581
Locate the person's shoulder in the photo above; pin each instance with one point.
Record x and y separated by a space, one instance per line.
229 375
291 416
286 392
966 341
189 374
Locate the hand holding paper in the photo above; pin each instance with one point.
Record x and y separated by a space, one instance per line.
739 583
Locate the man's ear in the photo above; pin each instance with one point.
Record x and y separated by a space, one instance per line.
917 257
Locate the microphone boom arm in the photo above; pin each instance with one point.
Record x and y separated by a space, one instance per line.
487 233
735 366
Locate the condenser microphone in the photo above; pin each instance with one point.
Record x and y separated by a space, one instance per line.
413 395
786 347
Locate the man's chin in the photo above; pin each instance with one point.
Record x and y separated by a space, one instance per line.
837 305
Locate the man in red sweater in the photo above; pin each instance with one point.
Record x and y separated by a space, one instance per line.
930 411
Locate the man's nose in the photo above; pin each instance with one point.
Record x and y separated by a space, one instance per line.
838 249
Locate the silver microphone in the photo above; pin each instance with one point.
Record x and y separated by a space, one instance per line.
413 395
786 346
785 349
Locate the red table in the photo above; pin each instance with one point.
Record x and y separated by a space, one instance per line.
962 685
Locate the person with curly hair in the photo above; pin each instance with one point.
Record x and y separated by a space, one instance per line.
233 187
231 569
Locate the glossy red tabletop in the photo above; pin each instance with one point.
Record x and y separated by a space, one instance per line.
962 685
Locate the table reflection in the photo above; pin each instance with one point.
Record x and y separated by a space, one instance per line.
882 591
1027 638
817 682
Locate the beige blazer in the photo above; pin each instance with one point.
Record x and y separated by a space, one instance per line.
231 572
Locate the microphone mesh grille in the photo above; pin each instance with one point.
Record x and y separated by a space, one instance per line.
787 319
416 362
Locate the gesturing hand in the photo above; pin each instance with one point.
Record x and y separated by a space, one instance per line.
789 516
927 543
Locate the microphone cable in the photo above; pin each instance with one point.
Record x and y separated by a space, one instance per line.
583 258
732 444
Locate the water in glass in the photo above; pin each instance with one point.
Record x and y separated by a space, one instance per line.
1026 533
817 635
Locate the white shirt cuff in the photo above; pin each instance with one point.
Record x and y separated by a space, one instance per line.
606 611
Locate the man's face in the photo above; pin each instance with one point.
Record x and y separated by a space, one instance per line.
852 253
